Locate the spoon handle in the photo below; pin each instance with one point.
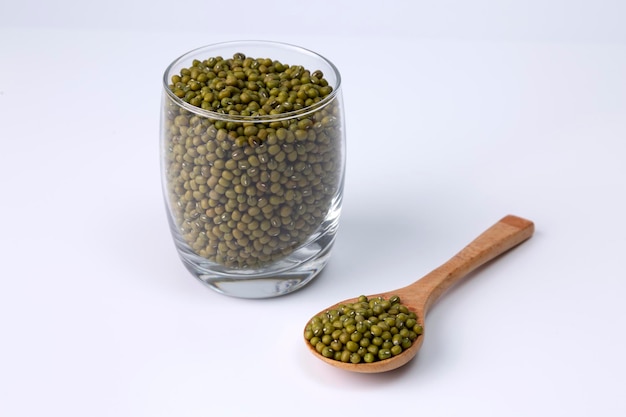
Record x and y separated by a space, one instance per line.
509 232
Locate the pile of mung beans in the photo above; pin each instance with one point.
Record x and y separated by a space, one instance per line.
368 330
246 185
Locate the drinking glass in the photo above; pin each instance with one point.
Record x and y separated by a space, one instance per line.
252 164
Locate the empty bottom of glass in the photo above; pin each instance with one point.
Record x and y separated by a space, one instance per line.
280 278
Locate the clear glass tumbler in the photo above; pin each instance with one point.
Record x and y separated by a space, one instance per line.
252 162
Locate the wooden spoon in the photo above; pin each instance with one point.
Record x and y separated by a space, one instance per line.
422 294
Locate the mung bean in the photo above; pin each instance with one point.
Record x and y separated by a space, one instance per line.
290 170
381 331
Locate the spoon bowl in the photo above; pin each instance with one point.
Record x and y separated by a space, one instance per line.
420 296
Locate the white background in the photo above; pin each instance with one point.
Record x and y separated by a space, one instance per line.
458 113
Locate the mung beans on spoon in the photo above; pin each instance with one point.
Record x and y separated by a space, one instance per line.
420 296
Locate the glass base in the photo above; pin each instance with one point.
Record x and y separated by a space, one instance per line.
282 277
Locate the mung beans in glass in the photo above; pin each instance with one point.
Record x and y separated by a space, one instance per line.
252 163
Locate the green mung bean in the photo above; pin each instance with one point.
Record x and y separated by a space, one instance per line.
277 179
377 335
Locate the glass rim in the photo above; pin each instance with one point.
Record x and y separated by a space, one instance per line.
257 118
